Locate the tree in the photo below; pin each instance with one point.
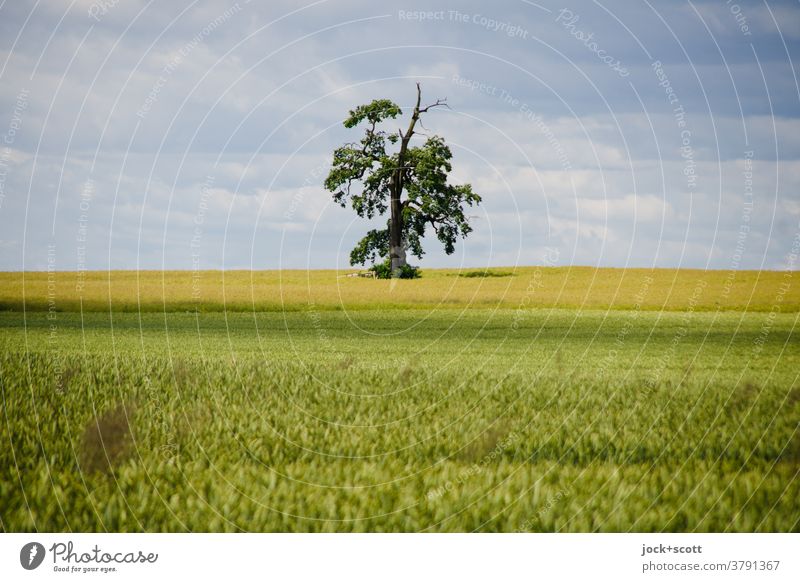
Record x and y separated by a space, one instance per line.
373 180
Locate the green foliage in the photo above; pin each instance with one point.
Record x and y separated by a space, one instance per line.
432 201
383 270
483 274
375 244
375 112
363 175
340 421
409 272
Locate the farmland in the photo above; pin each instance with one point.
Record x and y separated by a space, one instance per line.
534 400
508 288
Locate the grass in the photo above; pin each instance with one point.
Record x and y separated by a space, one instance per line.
550 400
546 287
487 273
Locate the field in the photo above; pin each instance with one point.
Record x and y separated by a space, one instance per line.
533 400
510 288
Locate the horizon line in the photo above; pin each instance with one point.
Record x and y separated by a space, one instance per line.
245 269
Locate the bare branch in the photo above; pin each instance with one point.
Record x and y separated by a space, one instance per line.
438 103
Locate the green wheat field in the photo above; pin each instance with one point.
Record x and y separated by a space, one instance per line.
533 399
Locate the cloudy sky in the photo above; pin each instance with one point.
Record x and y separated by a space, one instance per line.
188 134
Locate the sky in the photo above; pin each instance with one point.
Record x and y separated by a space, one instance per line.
197 134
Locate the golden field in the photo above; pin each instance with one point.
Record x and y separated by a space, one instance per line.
514 288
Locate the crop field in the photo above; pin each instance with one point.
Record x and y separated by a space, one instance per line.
532 400
509 288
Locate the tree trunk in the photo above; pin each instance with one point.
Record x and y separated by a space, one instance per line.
397 251
397 247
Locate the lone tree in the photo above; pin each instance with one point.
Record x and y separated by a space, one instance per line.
373 180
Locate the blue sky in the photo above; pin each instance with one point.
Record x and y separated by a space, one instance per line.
197 134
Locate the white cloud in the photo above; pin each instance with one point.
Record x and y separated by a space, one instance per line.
597 173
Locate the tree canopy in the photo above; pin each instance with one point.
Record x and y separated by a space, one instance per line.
411 183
